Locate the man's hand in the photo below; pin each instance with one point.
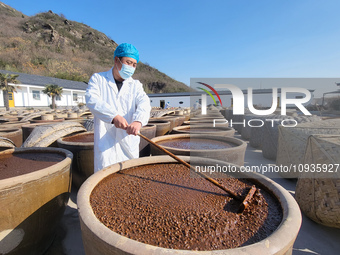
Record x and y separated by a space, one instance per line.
133 128
120 122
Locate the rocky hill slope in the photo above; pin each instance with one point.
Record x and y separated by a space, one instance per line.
48 44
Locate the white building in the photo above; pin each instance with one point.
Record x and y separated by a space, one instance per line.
261 98
29 91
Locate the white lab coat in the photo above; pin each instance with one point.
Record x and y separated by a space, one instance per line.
111 144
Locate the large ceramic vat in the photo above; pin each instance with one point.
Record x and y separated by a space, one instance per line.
8 118
162 126
28 128
46 118
186 116
179 112
6 143
32 204
174 121
204 130
81 145
207 116
72 115
14 134
208 122
256 133
81 120
228 149
150 132
100 240
14 124
181 118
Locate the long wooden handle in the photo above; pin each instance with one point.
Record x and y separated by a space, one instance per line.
191 167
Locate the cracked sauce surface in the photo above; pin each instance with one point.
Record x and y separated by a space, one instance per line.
165 205
196 144
16 164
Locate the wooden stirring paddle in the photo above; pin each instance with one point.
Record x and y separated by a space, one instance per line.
245 201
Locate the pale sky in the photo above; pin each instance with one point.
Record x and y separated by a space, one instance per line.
220 38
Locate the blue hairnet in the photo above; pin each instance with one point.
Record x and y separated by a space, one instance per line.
126 50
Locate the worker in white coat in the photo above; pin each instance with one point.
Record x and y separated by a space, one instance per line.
120 108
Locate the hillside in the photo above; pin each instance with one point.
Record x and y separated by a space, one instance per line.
50 45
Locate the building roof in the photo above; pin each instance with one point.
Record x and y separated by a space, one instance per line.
37 80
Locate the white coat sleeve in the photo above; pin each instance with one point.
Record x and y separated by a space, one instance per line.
143 107
96 104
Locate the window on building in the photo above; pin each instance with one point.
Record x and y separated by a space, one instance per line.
75 97
58 98
36 94
181 102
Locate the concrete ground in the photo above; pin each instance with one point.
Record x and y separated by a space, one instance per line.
313 238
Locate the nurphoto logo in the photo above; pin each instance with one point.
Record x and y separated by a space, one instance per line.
280 97
238 99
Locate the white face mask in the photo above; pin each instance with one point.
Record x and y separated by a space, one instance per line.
126 71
